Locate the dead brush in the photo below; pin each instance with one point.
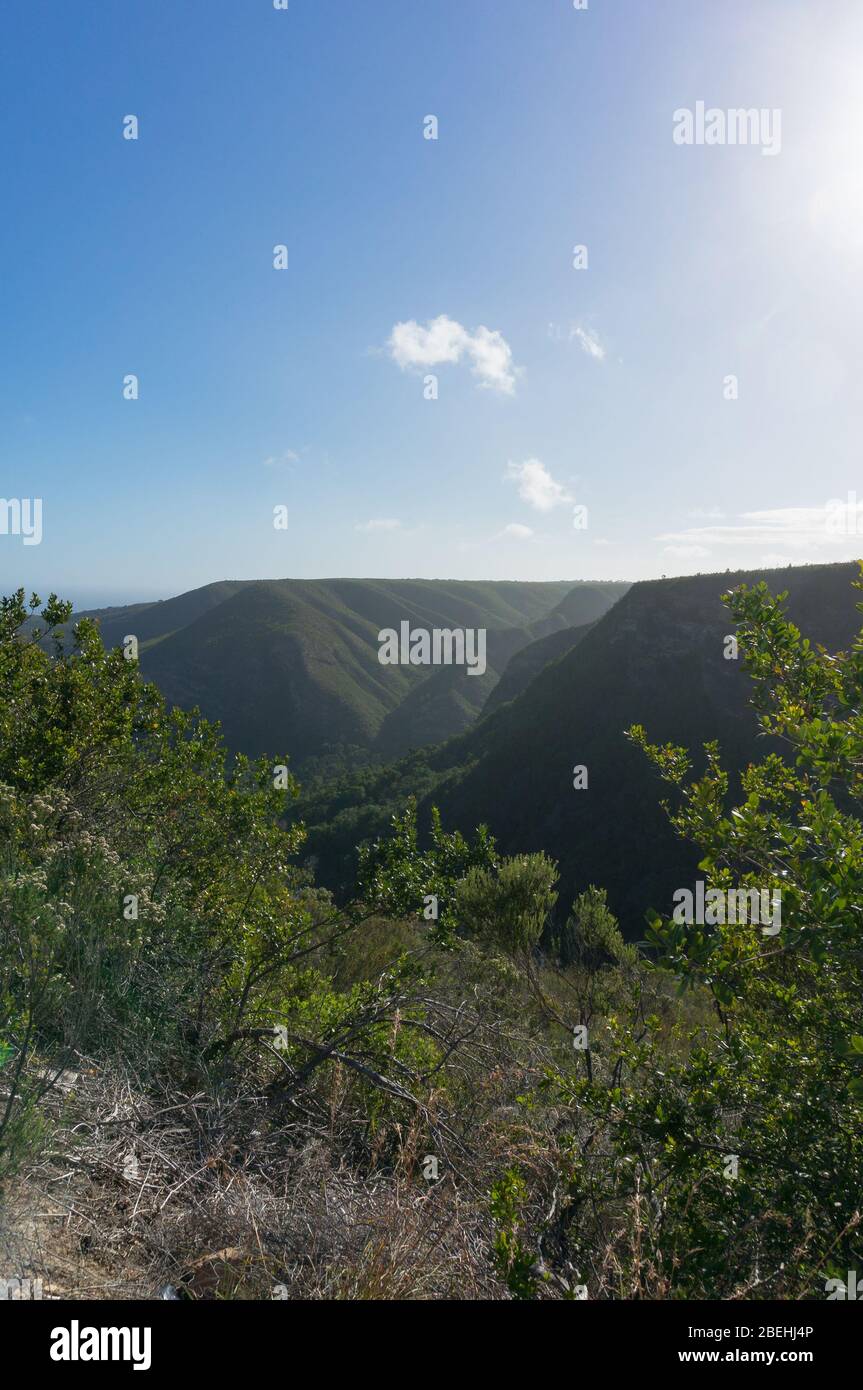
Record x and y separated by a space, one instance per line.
204 1196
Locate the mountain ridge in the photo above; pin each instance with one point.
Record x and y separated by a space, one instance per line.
290 667
656 658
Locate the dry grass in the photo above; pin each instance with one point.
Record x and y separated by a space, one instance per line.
201 1197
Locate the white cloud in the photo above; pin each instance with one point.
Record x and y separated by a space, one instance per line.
686 552
515 531
783 535
443 340
589 341
800 528
289 456
384 523
536 486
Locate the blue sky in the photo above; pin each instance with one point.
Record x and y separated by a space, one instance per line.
603 388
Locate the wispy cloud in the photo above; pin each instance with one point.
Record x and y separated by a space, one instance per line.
384 523
515 532
589 341
536 486
289 456
443 340
686 552
836 524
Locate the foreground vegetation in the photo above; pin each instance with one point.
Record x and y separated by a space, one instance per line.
450 1086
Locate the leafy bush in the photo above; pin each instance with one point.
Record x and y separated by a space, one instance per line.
705 1143
509 908
731 1167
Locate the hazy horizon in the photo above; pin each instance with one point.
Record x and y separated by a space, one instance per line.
84 600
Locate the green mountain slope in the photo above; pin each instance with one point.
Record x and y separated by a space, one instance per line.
527 663
655 658
291 666
151 621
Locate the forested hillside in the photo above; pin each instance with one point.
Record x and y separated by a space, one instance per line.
657 658
527 663
294 664
216 1082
